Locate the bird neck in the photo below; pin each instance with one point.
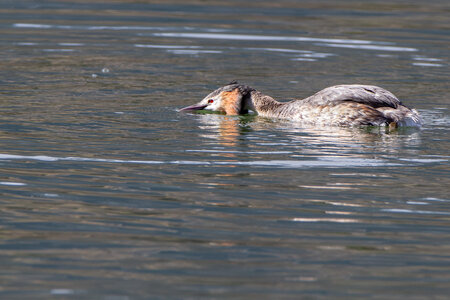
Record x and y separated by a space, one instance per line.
264 105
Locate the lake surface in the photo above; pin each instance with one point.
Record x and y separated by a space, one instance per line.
108 192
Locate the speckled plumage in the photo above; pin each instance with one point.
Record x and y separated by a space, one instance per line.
340 105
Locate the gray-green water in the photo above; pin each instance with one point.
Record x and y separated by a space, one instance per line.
108 192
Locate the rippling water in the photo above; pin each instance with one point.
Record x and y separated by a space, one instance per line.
108 192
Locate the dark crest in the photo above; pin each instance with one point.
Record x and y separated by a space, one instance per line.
243 89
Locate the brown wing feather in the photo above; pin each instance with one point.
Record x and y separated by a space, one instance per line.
373 96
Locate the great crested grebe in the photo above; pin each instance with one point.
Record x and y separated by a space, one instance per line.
340 105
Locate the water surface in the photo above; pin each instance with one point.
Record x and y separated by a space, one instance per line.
108 192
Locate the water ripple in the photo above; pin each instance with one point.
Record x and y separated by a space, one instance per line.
248 37
369 47
335 162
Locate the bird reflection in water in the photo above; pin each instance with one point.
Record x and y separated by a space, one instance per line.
237 135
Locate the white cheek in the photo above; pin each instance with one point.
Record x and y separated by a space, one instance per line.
214 106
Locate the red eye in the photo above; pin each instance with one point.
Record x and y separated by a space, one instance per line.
210 101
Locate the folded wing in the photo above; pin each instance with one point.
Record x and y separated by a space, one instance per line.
370 95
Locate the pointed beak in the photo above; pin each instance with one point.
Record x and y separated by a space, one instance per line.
194 107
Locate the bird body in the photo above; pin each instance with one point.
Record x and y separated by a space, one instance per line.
340 105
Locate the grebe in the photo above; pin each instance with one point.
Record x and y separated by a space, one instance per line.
340 105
